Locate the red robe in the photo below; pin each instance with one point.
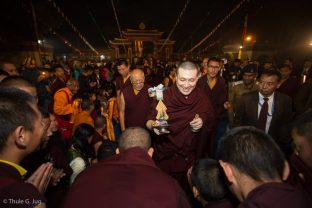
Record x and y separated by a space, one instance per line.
14 192
120 84
136 106
217 95
276 195
298 167
175 152
130 179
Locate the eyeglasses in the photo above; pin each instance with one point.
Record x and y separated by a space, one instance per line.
137 82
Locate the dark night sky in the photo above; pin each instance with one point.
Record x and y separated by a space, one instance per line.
281 22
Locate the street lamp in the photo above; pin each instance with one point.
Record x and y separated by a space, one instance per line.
248 38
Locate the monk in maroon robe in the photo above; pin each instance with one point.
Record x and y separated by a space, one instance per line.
289 85
122 80
301 160
300 174
255 168
134 101
128 179
22 131
190 120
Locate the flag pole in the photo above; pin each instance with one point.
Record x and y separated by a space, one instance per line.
244 33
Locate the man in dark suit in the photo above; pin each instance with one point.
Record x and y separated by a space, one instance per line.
267 109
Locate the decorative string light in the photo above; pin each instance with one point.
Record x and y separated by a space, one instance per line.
98 27
208 46
72 26
175 25
69 44
35 26
218 26
116 17
195 31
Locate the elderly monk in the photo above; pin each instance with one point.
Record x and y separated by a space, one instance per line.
190 120
63 107
134 101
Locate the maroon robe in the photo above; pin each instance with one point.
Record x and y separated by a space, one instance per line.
57 84
175 152
276 195
95 139
217 95
130 179
14 192
136 106
120 84
289 87
298 167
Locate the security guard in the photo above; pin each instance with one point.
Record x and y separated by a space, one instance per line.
249 84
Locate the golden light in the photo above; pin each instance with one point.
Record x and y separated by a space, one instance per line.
310 44
248 38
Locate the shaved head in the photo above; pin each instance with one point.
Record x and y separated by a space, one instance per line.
134 137
136 73
137 78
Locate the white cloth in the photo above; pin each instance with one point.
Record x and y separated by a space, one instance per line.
78 165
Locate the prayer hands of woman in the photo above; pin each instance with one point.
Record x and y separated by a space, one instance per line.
57 174
196 123
41 177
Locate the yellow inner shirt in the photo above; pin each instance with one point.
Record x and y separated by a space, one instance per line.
19 168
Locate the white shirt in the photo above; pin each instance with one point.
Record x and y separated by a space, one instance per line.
270 109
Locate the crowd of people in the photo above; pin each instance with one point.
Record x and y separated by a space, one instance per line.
85 134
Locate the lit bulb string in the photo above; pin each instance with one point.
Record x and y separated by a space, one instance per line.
244 29
35 25
208 46
118 25
55 33
218 26
194 31
97 26
176 24
72 26
69 44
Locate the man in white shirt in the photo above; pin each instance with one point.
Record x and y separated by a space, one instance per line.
272 116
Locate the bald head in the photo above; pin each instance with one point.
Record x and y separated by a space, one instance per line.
137 73
134 137
187 65
72 85
137 78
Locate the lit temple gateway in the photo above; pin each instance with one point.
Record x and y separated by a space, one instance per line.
142 43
